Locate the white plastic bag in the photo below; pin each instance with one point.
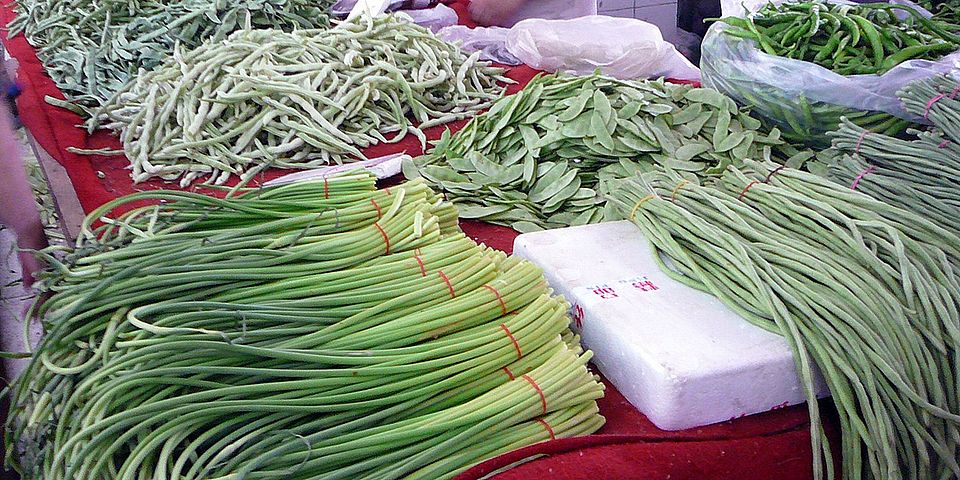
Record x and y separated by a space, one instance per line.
624 48
804 99
491 42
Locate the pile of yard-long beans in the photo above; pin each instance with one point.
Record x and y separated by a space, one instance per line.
91 49
867 292
314 330
847 39
294 100
919 175
542 158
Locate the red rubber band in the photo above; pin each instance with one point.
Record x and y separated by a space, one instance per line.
379 212
548 427
543 398
744 192
776 171
387 189
867 171
513 339
449 285
386 239
860 141
944 144
326 188
926 111
423 269
954 93
503 306
509 373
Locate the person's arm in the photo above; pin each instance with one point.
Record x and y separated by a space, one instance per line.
494 12
18 207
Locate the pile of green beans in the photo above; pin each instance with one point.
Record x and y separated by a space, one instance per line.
323 329
850 40
867 292
543 158
294 100
860 39
946 11
91 49
919 175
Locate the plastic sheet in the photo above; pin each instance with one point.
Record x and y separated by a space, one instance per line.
619 47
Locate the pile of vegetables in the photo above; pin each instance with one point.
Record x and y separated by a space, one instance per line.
91 49
919 175
847 39
868 292
947 11
542 158
294 100
313 330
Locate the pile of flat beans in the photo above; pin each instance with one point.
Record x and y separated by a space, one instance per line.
265 98
847 39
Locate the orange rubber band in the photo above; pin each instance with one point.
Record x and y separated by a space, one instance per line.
744 192
387 189
326 188
548 427
509 373
503 306
513 339
379 212
543 398
423 269
633 213
386 239
449 285
673 195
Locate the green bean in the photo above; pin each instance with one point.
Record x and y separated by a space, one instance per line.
292 100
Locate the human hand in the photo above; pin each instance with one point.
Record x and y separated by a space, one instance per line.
494 12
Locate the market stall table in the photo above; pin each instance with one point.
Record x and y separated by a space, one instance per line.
771 445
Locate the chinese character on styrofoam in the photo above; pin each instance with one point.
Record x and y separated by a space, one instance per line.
605 292
578 316
641 283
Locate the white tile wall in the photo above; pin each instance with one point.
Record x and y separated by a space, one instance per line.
662 13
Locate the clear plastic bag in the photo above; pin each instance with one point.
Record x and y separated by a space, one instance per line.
620 47
491 42
804 99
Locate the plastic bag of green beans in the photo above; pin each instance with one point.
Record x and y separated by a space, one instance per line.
801 66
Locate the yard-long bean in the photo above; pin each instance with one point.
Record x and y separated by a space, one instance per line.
863 290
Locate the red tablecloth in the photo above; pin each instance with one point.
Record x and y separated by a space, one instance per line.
772 445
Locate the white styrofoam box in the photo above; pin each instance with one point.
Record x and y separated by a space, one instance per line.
677 354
